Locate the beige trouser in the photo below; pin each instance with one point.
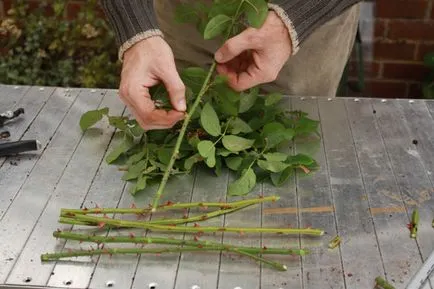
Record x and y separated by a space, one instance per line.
315 70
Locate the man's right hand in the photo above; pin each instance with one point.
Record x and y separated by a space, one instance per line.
146 64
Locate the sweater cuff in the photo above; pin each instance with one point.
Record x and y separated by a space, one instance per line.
132 21
289 25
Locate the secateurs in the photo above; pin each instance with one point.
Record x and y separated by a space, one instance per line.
8 148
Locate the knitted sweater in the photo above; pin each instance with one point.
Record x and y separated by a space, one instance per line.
135 20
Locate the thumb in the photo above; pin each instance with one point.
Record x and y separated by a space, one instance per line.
175 88
236 45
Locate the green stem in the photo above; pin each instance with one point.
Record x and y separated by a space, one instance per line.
195 229
383 283
166 207
169 241
181 137
115 251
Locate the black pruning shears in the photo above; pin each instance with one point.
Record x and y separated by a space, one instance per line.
15 147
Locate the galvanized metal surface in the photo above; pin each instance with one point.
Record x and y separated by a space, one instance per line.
377 166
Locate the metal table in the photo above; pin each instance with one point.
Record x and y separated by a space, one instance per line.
372 175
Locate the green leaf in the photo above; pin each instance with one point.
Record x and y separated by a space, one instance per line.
91 117
226 106
120 149
223 90
235 143
273 98
244 184
306 125
300 159
428 59
135 170
194 140
239 126
220 80
428 91
193 77
256 11
278 179
188 164
140 185
233 162
216 26
247 100
207 150
164 155
276 157
218 166
223 152
272 166
275 133
118 122
210 121
136 157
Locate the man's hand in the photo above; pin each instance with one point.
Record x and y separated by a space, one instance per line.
255 56
146 64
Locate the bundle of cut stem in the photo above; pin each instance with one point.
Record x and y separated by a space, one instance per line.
182 246
97 217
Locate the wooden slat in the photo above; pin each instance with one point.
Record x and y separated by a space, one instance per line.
104 192
202 269
410 172
387 207
38 188
10 95
359 249
292 278
69 192
322 268
235 271
17 168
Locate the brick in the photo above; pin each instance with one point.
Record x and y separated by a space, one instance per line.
411 29
415 90
380 28
404 71
424 49
392 50
371 69
408 9
385 89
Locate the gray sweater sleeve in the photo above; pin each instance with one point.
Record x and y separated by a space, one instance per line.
135 20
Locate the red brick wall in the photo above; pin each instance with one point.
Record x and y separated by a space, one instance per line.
403 34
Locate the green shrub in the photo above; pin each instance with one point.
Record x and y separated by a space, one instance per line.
40 48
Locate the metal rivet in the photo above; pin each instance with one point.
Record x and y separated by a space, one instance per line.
27 279
383 100
195 287
110 283
93 90
152 285
16 87
411 101
67 282
41 88
356 99
329 99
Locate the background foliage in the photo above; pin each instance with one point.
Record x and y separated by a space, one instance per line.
428 84
43 47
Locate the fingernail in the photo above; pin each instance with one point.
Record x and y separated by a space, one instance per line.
218 56
182 106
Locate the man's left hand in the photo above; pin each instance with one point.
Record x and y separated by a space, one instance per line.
255 56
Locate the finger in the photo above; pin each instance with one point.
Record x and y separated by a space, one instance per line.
174 86
247 79
147 115
248 39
